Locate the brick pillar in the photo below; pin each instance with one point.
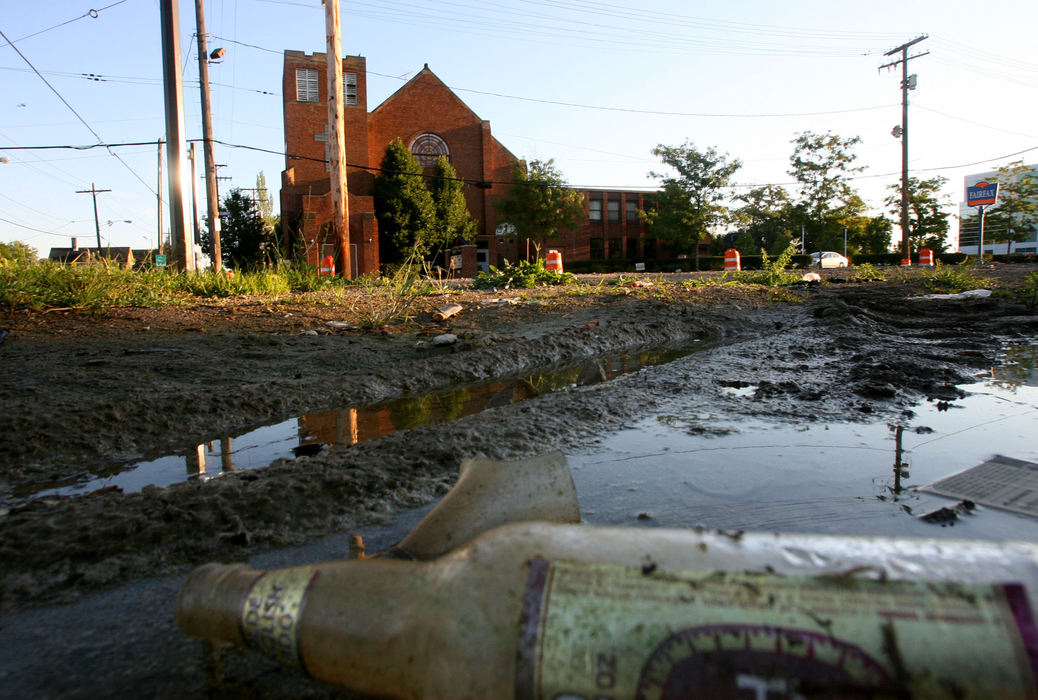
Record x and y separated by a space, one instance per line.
468 261
367 246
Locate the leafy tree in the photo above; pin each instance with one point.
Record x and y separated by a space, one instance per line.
18 252
872 235
245 241
822 165
1013 218
690 203
927 220
404 208
763 220
540 204
453 222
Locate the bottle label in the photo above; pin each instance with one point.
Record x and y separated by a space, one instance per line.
270 613
600 631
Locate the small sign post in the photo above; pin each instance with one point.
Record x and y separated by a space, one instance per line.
981 195
160 260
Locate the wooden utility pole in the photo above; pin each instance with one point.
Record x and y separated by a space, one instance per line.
158 196
172 85
906 248
97 223
212 200
337 139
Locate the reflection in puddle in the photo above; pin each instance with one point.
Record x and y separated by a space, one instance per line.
816 478
311 433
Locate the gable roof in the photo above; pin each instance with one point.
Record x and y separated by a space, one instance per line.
424 76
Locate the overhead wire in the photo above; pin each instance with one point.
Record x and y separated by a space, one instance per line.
93 14
73 110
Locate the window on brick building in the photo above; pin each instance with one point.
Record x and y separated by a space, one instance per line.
306 85
614 210
632 248
632 211
349 88
616 248
594 210
597 248
428 147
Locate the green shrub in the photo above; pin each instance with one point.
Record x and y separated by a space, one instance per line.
523 275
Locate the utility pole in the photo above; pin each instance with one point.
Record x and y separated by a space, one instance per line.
158 195
97 223
194 194
336 137
213 204
172 85
906 249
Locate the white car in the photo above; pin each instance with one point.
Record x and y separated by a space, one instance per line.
828 259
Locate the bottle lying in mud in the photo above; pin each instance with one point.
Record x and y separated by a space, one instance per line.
535 610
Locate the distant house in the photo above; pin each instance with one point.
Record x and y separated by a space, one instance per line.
121 256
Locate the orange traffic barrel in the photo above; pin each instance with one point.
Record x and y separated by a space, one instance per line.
327 266
553 261
906 262
926 257
731 260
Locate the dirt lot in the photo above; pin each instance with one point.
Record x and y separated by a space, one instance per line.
84 391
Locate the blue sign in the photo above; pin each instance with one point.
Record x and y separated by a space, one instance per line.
982 194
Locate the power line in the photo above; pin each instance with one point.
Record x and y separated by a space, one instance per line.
93 14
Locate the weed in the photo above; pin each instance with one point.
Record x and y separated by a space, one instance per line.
773 272
951 280
867 272
523 275
390 299
1029 290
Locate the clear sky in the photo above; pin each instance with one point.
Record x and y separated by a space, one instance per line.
593 85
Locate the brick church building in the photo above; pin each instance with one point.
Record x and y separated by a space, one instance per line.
427 116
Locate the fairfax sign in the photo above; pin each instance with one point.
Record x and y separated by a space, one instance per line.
982 194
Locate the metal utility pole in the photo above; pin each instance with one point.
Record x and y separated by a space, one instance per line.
172 84
97 223
212 200
192 156
336 138
906 249
158 196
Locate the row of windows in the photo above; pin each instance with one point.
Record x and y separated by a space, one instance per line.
307 86
636 248
613 205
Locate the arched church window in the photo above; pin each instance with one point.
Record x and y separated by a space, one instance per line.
428 147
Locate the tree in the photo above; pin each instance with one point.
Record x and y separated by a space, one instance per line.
873 234
18 252
822 165
763 220
927 220
403 205
540 203
245 241
689 204
452 221
1013 218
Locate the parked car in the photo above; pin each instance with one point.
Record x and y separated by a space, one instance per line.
828 259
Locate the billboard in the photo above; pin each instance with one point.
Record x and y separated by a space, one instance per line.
982 194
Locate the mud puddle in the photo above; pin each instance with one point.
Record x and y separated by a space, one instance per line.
309 434
838 478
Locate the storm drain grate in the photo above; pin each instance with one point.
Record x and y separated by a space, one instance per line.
1000 482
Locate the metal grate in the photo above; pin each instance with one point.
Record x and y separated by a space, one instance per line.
1001 482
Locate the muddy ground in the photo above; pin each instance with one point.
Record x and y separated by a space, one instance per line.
83 391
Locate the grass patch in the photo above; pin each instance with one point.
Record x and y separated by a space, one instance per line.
867 272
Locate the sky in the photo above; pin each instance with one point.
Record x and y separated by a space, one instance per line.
593 85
